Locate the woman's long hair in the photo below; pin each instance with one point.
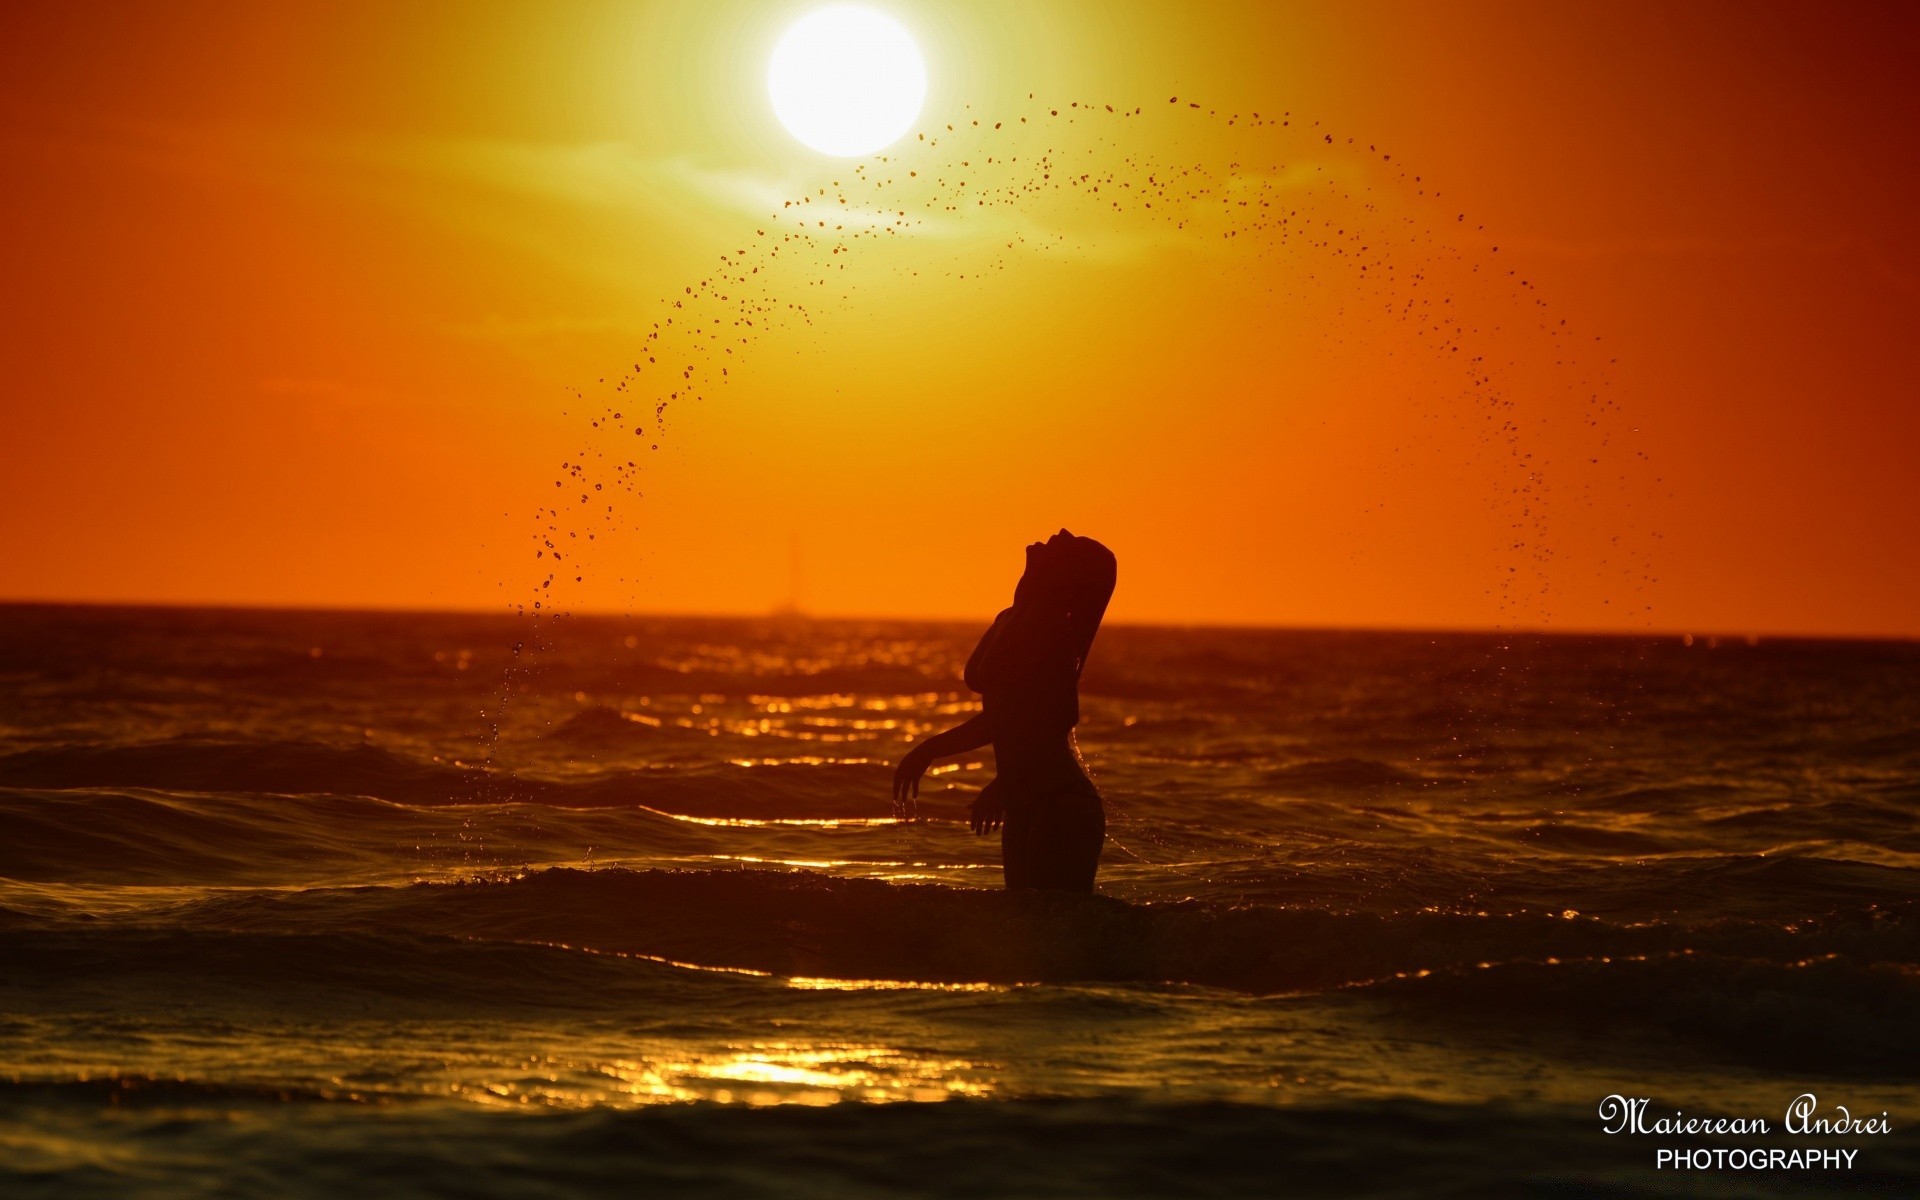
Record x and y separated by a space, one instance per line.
1056 611
1089 572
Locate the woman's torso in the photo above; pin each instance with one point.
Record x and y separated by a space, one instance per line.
1029 686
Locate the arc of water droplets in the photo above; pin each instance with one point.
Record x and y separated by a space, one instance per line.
709 327
1294 188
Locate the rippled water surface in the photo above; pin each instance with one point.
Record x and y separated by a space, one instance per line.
286 899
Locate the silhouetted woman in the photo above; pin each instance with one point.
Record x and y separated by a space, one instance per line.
1027 671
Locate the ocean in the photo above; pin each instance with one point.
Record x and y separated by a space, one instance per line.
304 904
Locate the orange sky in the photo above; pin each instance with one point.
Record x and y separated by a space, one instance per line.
299 297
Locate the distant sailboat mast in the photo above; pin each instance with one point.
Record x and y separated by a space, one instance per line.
791 606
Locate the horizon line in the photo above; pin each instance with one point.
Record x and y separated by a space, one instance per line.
1654 634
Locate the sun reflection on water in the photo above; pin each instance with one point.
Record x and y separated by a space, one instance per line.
756 1074
820 822
821 984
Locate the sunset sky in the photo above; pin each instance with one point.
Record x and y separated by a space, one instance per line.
303 300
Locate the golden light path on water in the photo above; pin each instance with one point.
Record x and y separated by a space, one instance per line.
822 822
757 1074
754 1074
862 864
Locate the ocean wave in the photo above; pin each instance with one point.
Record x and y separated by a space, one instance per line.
822 790
135 1089
807 924
598 726
1344 775
203 765
1829 1014
1396 871
1647 796
69 973
1572 838
1062 1147
1332 854
153 839
1695 889
1887 824
100 849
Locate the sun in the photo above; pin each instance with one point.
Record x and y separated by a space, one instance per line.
846 80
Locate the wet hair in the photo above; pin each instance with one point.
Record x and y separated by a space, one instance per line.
1056 611
1072 581
1087 573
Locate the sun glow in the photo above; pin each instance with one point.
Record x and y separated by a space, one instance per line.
846 80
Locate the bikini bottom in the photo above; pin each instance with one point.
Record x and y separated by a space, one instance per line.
1051 840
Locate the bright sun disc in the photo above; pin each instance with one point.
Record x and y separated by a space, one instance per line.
846 80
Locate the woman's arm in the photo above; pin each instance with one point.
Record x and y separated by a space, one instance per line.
970 734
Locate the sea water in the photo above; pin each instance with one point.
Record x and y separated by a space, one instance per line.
289 900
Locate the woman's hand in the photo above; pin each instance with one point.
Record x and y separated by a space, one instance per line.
906 776
987 812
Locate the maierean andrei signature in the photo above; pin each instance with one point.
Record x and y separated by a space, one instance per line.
1628 1114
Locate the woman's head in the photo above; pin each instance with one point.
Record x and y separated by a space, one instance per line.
1056 611
1073 577
1056 566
